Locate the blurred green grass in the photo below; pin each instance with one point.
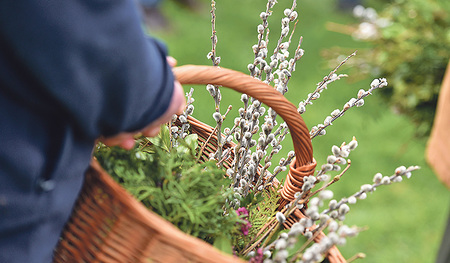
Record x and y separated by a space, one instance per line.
406 221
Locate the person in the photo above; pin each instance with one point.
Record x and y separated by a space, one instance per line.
70 72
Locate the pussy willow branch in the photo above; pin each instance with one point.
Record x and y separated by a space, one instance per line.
347 106
298 254
216 61
373 186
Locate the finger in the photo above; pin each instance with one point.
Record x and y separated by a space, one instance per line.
180 99
127 144
124 140
172 61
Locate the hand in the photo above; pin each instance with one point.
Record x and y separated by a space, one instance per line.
177 104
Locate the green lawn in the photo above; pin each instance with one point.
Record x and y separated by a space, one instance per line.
406 220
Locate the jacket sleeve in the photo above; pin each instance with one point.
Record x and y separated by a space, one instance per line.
87 61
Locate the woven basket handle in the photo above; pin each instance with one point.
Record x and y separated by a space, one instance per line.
259 90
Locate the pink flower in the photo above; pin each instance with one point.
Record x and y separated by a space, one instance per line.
243 213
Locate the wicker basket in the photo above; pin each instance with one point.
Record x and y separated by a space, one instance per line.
109 225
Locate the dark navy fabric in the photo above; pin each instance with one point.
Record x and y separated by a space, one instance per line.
70 71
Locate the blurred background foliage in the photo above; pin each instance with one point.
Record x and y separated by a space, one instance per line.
410 46
406 220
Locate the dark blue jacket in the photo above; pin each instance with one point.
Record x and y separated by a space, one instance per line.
69 72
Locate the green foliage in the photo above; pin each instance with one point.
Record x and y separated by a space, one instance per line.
412 53
170 182
261 208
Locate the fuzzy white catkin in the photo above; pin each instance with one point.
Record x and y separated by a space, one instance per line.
327 167
360 103
326 194
260 29
332 204
363 196
182 119
400 170
352 200
293 15
377 178
385 180
344 209
331 159
287 11
352 145
397 179
366 188
336 150
263 15
335 113
281 244
328 120
341 161
361 93
375 83
217 117
280 217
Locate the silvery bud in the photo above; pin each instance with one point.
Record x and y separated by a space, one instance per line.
263 15
400 170
260 29
328 121
293 15
182 119
217 117
341 161
291 154
280 244
211 90
244 98
332 204
353 144
377 178
375 83
336 150
352 200
385 180
280 217
360 103
361 93
344 209
333 226
366 188
331 159
327 167
287 11
363 196
326 194
397 179
335 113
190 109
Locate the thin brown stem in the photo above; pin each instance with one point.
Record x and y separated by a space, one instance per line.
355 257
